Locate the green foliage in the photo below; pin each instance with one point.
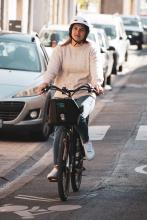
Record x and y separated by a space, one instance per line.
83 4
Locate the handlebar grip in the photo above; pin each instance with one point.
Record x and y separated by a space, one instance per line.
44 90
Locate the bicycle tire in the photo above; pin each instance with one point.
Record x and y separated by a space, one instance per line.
64 163
77 165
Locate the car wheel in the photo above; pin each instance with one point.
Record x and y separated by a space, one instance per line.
109 80
104 82
44 131
45 128
126 56
114 68
139 46
120 69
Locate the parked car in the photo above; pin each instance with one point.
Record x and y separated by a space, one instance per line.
114 28
51 35
144 25
134 30
23 61
100 37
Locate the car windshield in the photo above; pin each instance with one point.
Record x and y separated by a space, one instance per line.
110 30
91 37
130 21
51 38
144 21
18 55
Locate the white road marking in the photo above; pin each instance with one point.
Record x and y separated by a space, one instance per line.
97 132
36 198
141 169
64 207
25 213
12 208
142 133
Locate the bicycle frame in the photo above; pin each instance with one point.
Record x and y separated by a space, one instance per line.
71 153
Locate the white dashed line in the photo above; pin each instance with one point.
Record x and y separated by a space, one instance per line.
98 132
142 133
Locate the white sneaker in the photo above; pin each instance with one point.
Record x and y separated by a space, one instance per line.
53 174
89 150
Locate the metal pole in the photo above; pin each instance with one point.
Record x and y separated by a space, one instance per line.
2 14
138 7
29 16
57 11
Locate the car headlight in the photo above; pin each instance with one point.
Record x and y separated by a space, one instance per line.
135 33
27 93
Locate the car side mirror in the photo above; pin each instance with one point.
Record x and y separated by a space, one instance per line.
111 48
103 50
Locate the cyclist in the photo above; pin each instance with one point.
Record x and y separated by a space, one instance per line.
74 63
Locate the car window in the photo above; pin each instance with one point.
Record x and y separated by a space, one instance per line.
19 56
91 36
44 56
101 40
144 20
110 30
50 38
130 22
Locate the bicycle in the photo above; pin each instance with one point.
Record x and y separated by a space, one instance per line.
71 151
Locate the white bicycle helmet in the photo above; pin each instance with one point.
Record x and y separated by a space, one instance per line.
79 20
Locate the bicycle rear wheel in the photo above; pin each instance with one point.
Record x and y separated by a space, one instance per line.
77 169
64 164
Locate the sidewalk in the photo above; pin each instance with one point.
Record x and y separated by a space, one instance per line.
17 158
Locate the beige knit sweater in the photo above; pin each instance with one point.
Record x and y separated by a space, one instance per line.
71 67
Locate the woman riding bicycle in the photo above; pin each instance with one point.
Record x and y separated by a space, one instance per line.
74 63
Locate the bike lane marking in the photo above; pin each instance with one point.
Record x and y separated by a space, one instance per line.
25 213
36 198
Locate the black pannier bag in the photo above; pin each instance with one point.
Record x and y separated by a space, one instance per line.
64 111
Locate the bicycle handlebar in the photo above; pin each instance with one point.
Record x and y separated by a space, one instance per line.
70 92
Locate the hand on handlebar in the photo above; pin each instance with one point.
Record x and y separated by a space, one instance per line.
99 90
41 88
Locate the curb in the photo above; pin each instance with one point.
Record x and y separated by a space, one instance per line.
27 166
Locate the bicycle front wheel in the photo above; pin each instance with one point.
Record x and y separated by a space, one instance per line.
77 169
64 163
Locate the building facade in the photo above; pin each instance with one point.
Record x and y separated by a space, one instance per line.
31 15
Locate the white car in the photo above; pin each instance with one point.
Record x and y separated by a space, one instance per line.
144 25
114 28
51 35
100 38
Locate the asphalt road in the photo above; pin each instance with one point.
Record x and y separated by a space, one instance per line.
114 184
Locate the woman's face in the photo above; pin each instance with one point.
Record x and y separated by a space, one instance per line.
78 32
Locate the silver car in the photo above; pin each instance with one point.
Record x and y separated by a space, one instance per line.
23 61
